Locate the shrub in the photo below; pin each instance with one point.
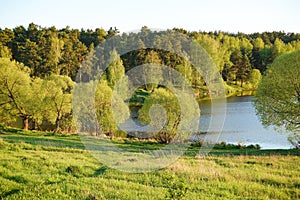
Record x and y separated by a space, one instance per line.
120 133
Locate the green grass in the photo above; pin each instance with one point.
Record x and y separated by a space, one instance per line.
40 165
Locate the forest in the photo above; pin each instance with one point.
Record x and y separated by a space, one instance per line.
39 67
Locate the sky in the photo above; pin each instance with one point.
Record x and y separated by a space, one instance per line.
233 16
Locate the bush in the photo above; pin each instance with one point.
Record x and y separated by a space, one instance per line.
224 145
120 133
251 146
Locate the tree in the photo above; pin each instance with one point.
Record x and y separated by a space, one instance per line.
85 72
255 78
72 55
94 114
29 55
236 59
36 102
186 71
257 47
152 72
104 100
171 114
115 69
15 91
83 105
112 32
57 102
244 69
278 48
266 58
213 48
5 52
167 123
52 53
278 96
6 36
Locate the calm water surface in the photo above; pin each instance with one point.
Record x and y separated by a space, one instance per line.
241 125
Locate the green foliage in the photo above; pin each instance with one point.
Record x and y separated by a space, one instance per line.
103 99
107 117
152 73
49 52
83 106
57 101
72 55
90 37
225 146
244 69
5 52
187 72
115 69
278 48
167 122
214 48
120 134
277 99
241 67
15 91
255 78
95 115
33 99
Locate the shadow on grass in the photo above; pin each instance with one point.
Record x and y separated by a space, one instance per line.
37 138
100 171
4 130
132 145
53 141
11 192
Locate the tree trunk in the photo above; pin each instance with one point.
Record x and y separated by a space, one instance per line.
25 122
111 134
57 127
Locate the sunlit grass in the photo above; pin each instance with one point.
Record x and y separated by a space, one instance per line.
58 167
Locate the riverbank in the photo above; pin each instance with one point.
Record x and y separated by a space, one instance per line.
40 165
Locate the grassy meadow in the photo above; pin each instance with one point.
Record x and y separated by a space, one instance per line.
40 165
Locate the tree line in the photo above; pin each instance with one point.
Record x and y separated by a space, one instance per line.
40 65
49 51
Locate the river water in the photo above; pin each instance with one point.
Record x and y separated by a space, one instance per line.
241 125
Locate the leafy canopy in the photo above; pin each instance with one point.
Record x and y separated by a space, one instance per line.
278 96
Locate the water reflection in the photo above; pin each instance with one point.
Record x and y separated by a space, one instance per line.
242 125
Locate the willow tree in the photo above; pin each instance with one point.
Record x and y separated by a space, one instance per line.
162 110
15 92
104 100
171 115
57 101
278 96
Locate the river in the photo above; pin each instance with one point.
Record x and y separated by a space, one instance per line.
241 125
